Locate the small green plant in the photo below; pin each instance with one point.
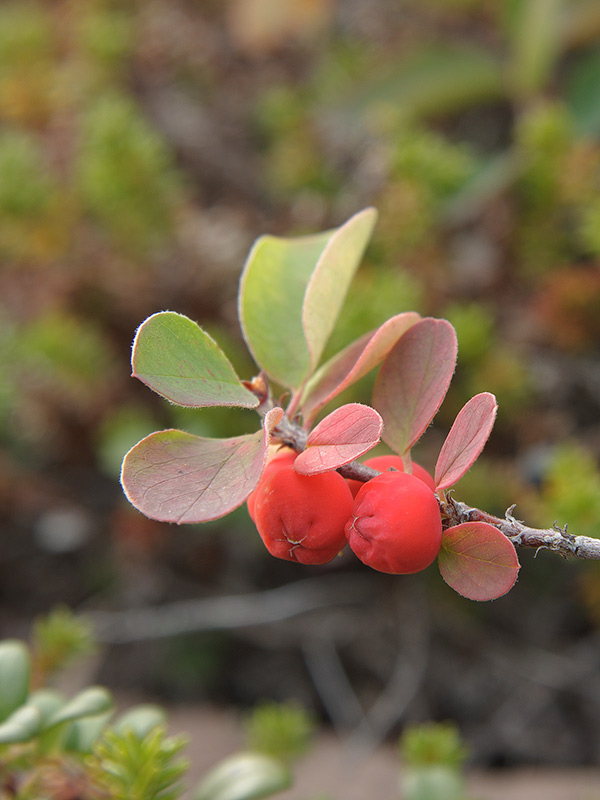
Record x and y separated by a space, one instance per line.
56 747
281 730
432 756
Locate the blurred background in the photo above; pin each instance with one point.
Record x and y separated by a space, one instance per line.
144 145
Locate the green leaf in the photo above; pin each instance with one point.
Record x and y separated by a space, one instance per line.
88 703
176 358
47 702
83 734
174 476
244 776
329 282
15 669
22 725
141 720
291 292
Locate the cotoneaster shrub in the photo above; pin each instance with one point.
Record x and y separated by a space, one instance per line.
297 471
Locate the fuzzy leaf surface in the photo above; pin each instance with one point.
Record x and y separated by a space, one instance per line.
176 358
285 324
354 362
466 440
413 381
342 436
174 476
478 561
331 278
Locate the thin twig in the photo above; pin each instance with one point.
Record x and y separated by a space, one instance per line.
454 512
228 612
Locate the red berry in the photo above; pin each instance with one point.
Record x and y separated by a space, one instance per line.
384 463
282 457
302 517
396 525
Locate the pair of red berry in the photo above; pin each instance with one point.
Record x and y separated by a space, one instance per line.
392 523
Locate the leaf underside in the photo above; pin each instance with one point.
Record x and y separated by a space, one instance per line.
413 381
342 436
466 439
353 363
478 561
174 476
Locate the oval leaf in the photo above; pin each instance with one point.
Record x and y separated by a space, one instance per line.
331 278
272 289
88 703
176 358
82 734
15 669
342 436
284 323
22 725
466 439
244 776
413 381
478 561
353 363
174 476
141 720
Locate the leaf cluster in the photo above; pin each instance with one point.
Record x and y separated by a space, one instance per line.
291 293
54 746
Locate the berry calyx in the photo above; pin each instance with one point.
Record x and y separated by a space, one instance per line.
302 517
396 524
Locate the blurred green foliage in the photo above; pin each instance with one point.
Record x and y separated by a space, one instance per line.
143 147
282 730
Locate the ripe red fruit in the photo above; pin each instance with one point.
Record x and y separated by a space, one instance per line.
384 463
396 525
301 517
282 457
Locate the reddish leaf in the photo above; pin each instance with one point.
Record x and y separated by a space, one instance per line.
466 439
478 561
174 476
413 381
342 436
354 362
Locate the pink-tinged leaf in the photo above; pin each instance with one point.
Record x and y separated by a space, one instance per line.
466 439
478 561
174 476
353 363
413 381
342 436
176 358
331 278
